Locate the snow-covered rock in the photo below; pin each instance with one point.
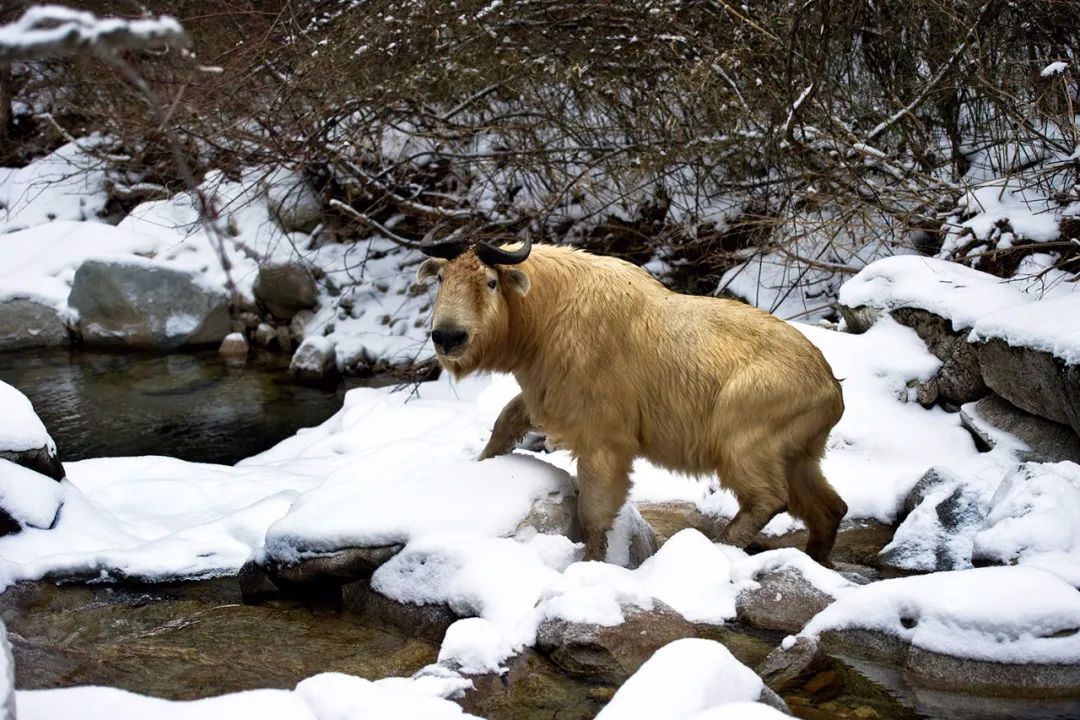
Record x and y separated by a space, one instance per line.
1011 630
68 184
314 360
7 677
1034 519
138 305
690 678
23 437
783 589
234 345
997 422
292 201
27 499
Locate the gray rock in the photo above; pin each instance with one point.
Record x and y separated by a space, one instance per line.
770 698
1033 380
1047 441
26 323
293 203
553 515
859 319
937 534
865 644
285 290
7 677
933 479
784 600
427 622
959 380
782 666
134 306
234 345
255 584
611 654
315 360
265 335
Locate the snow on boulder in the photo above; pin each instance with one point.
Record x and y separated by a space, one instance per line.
315 359
27 498
1003 631
949 290
68 184
132 303
782 589
23 437
683 679
1034 519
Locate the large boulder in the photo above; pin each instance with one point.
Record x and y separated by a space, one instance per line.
611 653
285 290
293 202
125 304
26 323
783 589
994 421
1030 355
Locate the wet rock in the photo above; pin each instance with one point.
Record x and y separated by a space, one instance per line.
26 323
783 600
534 687
1033 380
234 345
141 306
937 534
341 566
315 360
285 338
265 336
1045 440
256 586
611 653
285 290
866 644
427 622
793 658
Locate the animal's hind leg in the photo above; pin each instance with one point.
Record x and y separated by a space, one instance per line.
603 485
512 424
815 501
758 483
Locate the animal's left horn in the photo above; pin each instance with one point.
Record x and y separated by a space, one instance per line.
448 248
492 254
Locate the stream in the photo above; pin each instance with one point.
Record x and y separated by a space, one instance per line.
190 640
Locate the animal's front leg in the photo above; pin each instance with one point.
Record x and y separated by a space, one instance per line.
510 427
603 484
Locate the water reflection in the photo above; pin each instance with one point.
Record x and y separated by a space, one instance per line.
196 406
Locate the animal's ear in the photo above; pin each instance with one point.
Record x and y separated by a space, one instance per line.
518 281
429 268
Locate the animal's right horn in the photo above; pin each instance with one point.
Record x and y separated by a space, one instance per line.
447 248
492 254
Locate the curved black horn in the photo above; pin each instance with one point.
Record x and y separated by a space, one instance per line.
448 248
492 254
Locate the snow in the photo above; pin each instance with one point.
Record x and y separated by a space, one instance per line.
1034 519
1044 325
45 25
20 427
329 696
67 184
30 498
955 292
746 572
998 614
682 679
1054 68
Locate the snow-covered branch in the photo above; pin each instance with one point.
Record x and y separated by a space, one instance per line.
46 31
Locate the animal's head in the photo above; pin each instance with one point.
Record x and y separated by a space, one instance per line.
476 281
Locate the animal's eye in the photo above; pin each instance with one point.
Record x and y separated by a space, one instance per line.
492 283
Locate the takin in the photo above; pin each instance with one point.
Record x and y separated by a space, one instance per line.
614 366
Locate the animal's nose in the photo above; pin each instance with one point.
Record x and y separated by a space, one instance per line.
449 339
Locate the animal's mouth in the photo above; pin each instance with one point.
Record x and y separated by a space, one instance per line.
452 355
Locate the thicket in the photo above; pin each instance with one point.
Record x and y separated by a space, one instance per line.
696 132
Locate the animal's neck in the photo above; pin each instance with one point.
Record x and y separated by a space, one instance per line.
534 317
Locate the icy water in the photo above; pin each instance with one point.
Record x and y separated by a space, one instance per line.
196 407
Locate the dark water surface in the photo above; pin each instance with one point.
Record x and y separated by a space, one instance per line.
195 406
